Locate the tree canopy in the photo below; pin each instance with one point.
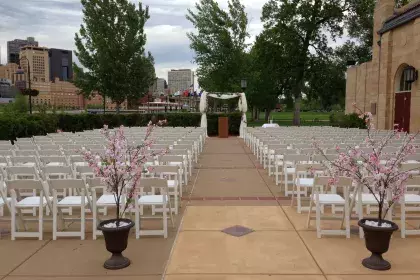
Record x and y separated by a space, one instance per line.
111 48
219 44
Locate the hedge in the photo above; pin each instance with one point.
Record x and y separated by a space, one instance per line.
14 126
347 121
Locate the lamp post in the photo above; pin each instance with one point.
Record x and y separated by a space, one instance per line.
20 71
243 84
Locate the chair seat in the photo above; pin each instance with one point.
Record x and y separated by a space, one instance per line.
172 183
175 163
367 198
329 199
106 199
412 198
55 164
152 199
72 200
305 182
290 170
2 201
32 201
28 164
81 164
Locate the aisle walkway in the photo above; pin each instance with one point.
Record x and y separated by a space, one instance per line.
232 190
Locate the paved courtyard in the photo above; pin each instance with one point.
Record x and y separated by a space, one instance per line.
228 188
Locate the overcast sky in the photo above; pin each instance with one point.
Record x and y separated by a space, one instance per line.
53 23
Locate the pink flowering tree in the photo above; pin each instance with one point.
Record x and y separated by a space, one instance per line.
378 171
121 165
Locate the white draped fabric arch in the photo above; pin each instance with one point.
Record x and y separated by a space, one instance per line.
242 106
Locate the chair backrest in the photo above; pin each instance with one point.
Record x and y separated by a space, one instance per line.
53 160
25 153
84 171
45 147
3 161
24 185
413 168
45 153
57 172
158 183
310 168
325 180
24 160
6 153
296 158
67 184
171 158
164 169
413 182
21 172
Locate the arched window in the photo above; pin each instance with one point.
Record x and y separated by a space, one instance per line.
404 85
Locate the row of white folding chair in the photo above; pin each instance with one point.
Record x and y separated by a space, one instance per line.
145 196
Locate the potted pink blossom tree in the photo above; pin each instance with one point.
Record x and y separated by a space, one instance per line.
382 175
120 168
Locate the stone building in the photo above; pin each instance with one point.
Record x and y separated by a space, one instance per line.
382 86
180 80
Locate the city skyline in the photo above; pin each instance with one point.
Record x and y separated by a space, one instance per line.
166 30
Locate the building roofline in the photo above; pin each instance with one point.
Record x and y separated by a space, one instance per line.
401 16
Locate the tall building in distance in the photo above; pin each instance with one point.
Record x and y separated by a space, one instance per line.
61 62
13 48
180 80
38 58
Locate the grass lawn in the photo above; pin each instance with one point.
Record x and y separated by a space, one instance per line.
286 118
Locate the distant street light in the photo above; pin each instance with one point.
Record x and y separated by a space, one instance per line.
243 84
20 71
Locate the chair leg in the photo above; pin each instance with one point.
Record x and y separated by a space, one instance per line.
137 221
82 222
318 220
165 220
276 174
308 222
403 227
54 221
1 211
40 222
94 222
13 222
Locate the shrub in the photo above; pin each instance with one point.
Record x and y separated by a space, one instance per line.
340 119
14 126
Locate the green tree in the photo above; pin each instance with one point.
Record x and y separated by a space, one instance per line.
111 47
270 66
219 44
303 23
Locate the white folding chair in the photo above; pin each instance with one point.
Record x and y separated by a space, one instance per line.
105 200
322 199
410 201
179 161
172 174
81 201
303 179
161 200
18 203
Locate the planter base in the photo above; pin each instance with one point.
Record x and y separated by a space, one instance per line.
376 262
117 261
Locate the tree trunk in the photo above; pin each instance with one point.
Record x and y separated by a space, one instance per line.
117 108
267 115
254 113
296 113
257 117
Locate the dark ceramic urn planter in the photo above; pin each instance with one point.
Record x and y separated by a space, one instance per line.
377 241
116 242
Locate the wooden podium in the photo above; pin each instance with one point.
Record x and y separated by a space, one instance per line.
223 127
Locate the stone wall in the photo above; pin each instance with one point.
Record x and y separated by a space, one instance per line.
399 47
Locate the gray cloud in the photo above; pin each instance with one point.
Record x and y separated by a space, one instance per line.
54 22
